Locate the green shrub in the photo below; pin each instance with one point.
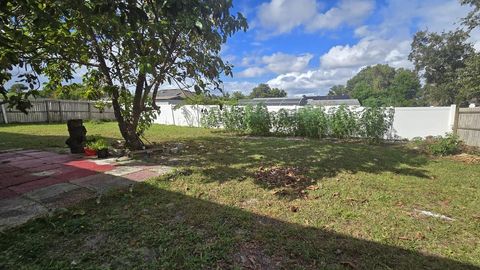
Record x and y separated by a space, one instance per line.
375 122
233 119
342 122
284 122
257 120
212 118
312 122
443 146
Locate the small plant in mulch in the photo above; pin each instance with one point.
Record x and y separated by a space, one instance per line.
97 146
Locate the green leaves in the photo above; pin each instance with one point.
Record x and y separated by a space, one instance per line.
439 57
313 122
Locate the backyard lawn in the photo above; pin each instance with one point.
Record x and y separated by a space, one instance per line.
259 203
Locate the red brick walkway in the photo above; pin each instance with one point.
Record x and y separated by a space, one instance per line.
34 182
26 170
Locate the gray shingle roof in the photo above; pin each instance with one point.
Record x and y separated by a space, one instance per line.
302 101
173 94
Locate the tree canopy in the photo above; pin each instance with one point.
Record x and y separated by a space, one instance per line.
438 58
129 48
263 90
337 90
382 85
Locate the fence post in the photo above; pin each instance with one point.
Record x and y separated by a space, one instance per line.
198 115
173 114
89 111
47 108
4 113
455 119
60 111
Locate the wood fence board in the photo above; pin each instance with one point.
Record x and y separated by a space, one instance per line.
57 111
468 127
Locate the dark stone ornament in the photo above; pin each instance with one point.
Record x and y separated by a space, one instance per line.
78 136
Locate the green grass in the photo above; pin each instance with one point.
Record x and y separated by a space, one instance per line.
44 136
214 213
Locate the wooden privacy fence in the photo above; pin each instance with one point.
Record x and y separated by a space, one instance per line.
467 125
50 111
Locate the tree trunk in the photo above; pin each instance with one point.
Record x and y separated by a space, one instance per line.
128 130
129 133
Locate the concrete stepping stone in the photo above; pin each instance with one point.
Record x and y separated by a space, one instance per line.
102 183
60 195
16 211
123 170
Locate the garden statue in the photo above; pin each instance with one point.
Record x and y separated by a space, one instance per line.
78 136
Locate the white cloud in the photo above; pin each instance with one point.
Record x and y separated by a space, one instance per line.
385 43
244 87
349 12
252 72
282 16
276 63
282 63
341 63
368 52
313 81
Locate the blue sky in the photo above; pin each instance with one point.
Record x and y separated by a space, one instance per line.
306 46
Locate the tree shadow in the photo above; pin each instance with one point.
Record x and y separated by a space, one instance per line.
153 228
234 158
230 158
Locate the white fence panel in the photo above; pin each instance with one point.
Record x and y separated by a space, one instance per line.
409 122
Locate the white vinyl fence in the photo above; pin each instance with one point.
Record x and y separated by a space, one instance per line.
409 122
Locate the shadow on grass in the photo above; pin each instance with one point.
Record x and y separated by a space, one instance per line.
151 228
226 159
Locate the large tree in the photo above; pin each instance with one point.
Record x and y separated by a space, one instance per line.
472 20
129 47
438 58
263 90
338 90
382 85
469 80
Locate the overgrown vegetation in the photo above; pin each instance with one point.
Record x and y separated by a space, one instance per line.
313 122
449 144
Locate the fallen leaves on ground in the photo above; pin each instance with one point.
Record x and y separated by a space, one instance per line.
466 158
281 176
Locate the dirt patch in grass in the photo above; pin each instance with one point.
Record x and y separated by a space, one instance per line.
288 180
466 158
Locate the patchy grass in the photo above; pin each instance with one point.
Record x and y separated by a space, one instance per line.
348 206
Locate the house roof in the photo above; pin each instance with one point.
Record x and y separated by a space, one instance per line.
339 97
274 101
302 101
333 102
173 94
